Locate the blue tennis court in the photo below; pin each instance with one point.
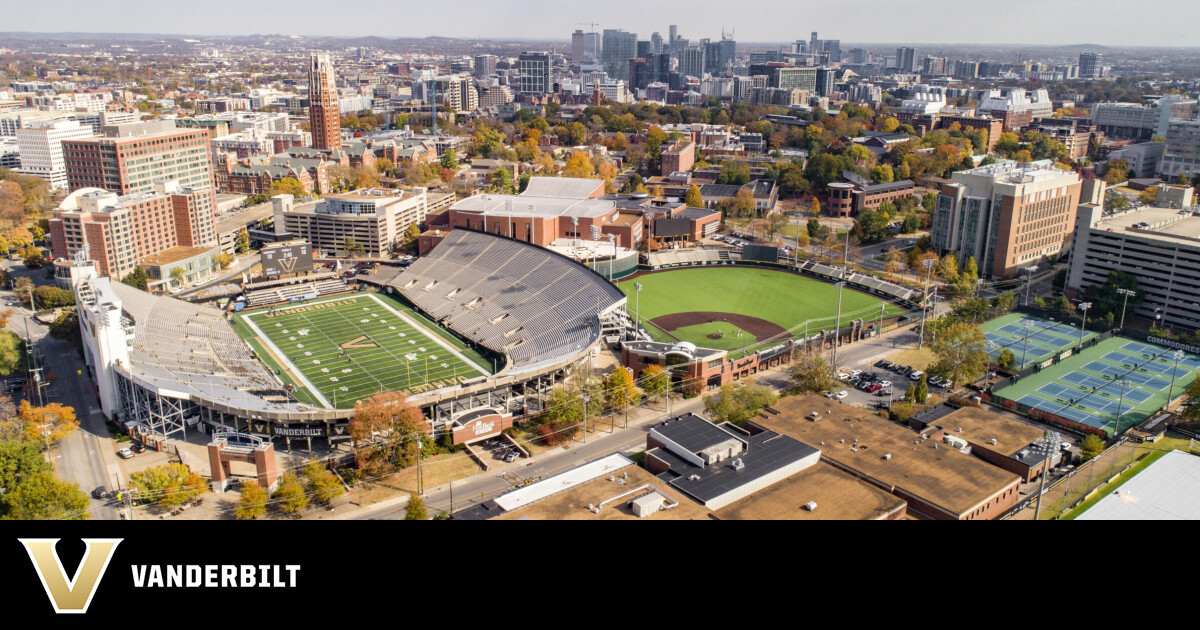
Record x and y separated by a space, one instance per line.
1164 354
1128 360
1105 385
1083 380
1053 340
1105 369
1063 393
1069 413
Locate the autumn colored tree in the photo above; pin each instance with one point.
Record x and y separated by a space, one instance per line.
290 494
167 486
386 429
322 484
655 381
47 424
620 392
692 198
253 503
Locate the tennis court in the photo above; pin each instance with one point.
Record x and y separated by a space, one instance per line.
1117 377
1030 339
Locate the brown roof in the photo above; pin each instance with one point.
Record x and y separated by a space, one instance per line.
980 427
175 254
572 504
838 496
941 476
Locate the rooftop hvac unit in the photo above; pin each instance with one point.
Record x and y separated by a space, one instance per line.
694 478
738 464
887 455
993 441
811 506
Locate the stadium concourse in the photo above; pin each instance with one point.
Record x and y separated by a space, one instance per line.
164 366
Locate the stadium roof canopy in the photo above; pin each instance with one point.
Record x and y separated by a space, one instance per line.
1169 489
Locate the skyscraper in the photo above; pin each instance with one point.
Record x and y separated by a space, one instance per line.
906 59
618 48
1090 65
485 66
656 42
691 61
535 75
834 48
323 103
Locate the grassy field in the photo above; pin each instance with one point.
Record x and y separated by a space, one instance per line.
729 335
342 349
783 298
1146 390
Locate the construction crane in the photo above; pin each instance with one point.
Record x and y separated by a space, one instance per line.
591 25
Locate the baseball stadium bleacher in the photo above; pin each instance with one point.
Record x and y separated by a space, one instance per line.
687 256
858 279
513 298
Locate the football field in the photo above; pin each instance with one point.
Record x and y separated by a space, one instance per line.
343 349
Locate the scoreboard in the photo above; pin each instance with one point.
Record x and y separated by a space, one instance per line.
281 258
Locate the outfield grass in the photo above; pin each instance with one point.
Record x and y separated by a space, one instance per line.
342 349
729 332
784 298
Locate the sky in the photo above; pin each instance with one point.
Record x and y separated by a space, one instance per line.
1113 23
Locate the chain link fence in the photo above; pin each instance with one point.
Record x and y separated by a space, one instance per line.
1071 490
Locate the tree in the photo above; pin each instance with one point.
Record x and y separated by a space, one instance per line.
450 160
1007 361
10 352
655 381
177 276
386 429
290 494
738 402
288 186
34 258
620 392
253 503
352 246
961 350
42 497
502 181
894 260
918 392
882 174
167 486
47 424
810 374
242 244
1090 447
814 228
693 199
815 208
415 510
322 484
19 460
411 233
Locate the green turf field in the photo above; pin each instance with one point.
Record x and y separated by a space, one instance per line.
786 299
729 335
1146 389
341 349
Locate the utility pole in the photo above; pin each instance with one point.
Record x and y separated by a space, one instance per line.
1120 405
1171 393
586 399
637 302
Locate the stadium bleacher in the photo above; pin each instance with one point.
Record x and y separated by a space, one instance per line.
513 298
278 291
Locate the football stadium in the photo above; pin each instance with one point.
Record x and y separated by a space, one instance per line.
476 330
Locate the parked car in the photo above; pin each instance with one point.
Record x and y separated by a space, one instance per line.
843 376
99 493
841 395
885 383
138 447
512 456
125 453
916 375
855 372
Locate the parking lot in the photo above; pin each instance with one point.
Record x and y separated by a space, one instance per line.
873 385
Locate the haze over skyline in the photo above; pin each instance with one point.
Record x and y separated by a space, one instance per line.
1018 22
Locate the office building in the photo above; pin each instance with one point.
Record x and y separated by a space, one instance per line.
834 48
656 43
41 149
132 157
906 59
1006 216
1091 65
691 61
1182 155
375 218
485 66
534 75
779 75
323 113
1136 121
618 48
1163 254
824 81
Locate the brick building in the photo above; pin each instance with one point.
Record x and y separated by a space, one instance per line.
133 157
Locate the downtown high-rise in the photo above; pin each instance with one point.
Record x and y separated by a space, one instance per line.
323 117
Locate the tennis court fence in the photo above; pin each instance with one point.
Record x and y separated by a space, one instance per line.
1069 491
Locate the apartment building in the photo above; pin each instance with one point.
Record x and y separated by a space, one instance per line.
132 157
1182 154
120 231
1006 215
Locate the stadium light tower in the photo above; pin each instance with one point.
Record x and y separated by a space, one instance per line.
1047 446
1171 392
637 302
1083 306
929 264
1127 293
837 327
1120 409
1032 269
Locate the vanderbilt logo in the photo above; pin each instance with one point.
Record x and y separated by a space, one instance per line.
288 264
75 595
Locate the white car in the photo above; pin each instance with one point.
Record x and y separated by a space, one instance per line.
854 373
841 395
843 376
885 383
829 395
916 376
125 453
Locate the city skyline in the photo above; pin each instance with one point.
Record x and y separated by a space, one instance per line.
888 24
